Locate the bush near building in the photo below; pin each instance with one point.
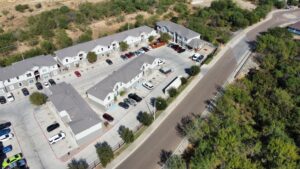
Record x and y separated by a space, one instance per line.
160 103
151 38
194 70
183 80
104 152
145 118
165 37
38 98
172 92
126 134
123 46
92 57
78 164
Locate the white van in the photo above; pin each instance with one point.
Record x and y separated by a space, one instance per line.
148 85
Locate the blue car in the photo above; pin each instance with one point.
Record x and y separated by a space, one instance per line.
4 132
7 149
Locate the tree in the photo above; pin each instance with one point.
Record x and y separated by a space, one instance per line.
194 70
78 164
172 92
104 152
165 37
175 161
92 57
47 46
160 103
123 46
145 118
62 39
86 36
126 134
151 38
37 98
21 8
183 80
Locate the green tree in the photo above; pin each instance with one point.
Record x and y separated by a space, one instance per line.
48 47
172 92
165 37
92 57
126 134
145 118
194 70
123 46
175 162
151 38
21 8
37 98
160 103
104 152
183 80
62 39
86 36
78 164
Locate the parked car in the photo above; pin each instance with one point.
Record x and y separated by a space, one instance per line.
25 91
52 127
52 82
124 105
195 56
199 58
138 53
56 138
135 97
22 164
130 101
108 61
11 160
129 55
2 100
148 85
145 49
10 97
5 125
123 57
181 50
6 137
77 73
161 61
108 117
7 149
39 85
46 84
4 131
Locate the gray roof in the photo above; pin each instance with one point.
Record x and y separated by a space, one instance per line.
196 43
124 74
105 41
295 26
181 30
19 68
65 97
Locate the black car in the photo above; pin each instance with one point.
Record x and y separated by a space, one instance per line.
108 117
52 127
108 61
52 82
181 50
124 105
145 49
39 85
135 97
25 91
2 100
123 57
5 125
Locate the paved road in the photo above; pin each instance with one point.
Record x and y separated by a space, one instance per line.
165 137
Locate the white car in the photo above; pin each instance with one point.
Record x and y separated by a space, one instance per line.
46 84
10 97
148 85
195 56
57 137
6 137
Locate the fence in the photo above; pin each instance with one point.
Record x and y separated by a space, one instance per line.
115 148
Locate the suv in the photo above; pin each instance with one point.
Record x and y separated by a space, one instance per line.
52 127
108 117
10 97
25 91
124 105
148 85
39 85
2 100
135 97
4 131
52 82
56 138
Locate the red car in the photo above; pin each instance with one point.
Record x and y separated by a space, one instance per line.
77 73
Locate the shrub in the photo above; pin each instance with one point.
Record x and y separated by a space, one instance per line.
194 70
165 37
183 80
172 92
104 152
151 38
21 8
145 118
38 98
126 134
123 46
160 103
47 46
92 57
86 36
38 5
122 93
78 164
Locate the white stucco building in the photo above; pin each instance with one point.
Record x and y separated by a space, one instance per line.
106 90
74 55
84 123
28 71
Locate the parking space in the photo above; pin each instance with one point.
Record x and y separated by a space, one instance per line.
46 117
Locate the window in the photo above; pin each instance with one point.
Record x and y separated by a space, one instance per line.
108 98
101 49
17 77
8 80
80 54
20 84
108 47
67 60
31 81
28 74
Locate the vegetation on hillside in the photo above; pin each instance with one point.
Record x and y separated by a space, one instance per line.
256 123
